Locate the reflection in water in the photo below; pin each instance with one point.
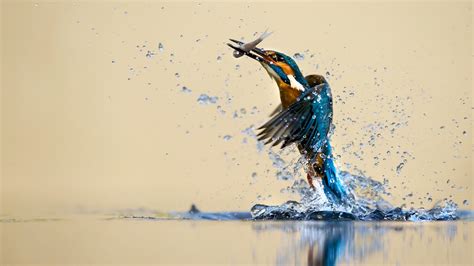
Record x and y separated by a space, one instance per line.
232 238
332 243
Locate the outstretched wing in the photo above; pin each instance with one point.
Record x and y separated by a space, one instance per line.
306 122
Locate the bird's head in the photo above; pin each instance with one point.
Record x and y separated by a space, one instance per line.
279 66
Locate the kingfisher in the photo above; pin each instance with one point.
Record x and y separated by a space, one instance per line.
303 118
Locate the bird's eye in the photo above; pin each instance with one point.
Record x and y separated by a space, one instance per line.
275 57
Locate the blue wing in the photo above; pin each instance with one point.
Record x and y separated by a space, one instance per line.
305 122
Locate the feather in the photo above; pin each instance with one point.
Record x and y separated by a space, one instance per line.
305 122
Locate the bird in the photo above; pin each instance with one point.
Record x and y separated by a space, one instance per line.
303 118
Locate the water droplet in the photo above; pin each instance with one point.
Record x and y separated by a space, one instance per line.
400 167
219 58
160 47
149 54
260 146
227 137
298 56
205 99
186 89
284 175
254 110
220 110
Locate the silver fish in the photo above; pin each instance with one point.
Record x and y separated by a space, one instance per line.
251 45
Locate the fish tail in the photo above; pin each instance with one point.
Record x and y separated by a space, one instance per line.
265 34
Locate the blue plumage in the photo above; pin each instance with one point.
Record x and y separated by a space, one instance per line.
298 75
333 186
307 123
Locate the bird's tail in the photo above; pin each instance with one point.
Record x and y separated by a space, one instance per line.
333 186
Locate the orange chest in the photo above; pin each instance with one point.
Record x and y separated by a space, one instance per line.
288 95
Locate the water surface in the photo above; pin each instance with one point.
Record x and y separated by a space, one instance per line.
138 239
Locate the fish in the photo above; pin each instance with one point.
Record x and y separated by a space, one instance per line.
247 47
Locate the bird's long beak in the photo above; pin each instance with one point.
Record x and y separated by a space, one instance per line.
256 53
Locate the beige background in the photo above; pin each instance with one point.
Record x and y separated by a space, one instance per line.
76 133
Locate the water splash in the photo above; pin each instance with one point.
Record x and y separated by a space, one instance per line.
291 210
367 204
366 201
